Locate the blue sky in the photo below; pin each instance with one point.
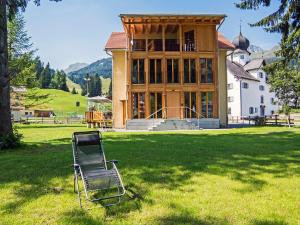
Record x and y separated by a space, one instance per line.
76 30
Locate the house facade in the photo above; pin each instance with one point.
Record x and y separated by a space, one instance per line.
248 91
169 67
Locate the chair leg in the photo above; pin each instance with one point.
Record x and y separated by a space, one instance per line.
78 191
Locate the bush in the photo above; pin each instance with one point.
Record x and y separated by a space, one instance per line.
11 140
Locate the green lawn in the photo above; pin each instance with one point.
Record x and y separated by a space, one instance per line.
62 102
237 176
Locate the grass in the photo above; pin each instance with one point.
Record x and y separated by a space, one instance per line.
61 101
237 176
72 85
105 85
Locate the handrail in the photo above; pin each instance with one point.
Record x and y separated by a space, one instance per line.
199 115
181 107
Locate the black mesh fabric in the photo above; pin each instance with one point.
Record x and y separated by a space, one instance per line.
91 160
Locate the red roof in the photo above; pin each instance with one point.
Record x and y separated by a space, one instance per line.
117 40
224 43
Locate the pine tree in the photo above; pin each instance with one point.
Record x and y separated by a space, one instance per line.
46 77
73 92
110 89
63 83
97 86
286 21
8 9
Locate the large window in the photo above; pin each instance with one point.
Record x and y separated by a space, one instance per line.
190 105
138 105
156 104
138 45
207 104
173 70
138 71
206 70
189 41
155 45
189 71
155 70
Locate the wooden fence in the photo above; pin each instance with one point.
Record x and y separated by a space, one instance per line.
52 120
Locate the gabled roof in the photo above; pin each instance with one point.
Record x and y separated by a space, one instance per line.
254 64
117 40
238 71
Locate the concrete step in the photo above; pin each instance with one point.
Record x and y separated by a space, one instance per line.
172 124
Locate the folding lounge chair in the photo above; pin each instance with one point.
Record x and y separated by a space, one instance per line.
91 166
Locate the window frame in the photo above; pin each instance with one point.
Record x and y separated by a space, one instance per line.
206 70
156 71
139 95
192 96
207 113
173 71
261 87
245 85
138 70
156 107
189 72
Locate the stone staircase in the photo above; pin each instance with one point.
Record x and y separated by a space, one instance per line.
172 124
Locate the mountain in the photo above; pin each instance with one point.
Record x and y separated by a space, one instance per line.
103 67
254 49
268 55
75 67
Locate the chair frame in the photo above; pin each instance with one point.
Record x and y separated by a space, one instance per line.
78 174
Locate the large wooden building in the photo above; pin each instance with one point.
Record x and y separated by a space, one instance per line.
170 67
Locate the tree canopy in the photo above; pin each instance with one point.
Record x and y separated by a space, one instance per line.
285 20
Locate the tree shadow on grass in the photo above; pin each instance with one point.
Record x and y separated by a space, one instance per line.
269 222
168 160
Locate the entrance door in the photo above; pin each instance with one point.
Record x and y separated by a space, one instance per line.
173 105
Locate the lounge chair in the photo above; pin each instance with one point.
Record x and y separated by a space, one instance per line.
91 167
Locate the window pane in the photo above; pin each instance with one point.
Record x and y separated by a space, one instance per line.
139 45
169 70
158 71
203 104
193 71
142 71
142 105
203 70
159 104
209 71
187 104
172 45
152 70
186 71
152 103
209 104
135 106
134 72
176 70
193 104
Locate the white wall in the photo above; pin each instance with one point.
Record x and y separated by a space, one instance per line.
235 93
269 107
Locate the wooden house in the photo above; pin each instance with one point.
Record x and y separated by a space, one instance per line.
169 67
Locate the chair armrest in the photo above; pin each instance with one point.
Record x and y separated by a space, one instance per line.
114 161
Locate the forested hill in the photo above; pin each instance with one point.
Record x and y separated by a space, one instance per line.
101 67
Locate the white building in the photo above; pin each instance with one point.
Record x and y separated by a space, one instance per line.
248 91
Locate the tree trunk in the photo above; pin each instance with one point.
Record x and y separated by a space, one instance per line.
5 114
